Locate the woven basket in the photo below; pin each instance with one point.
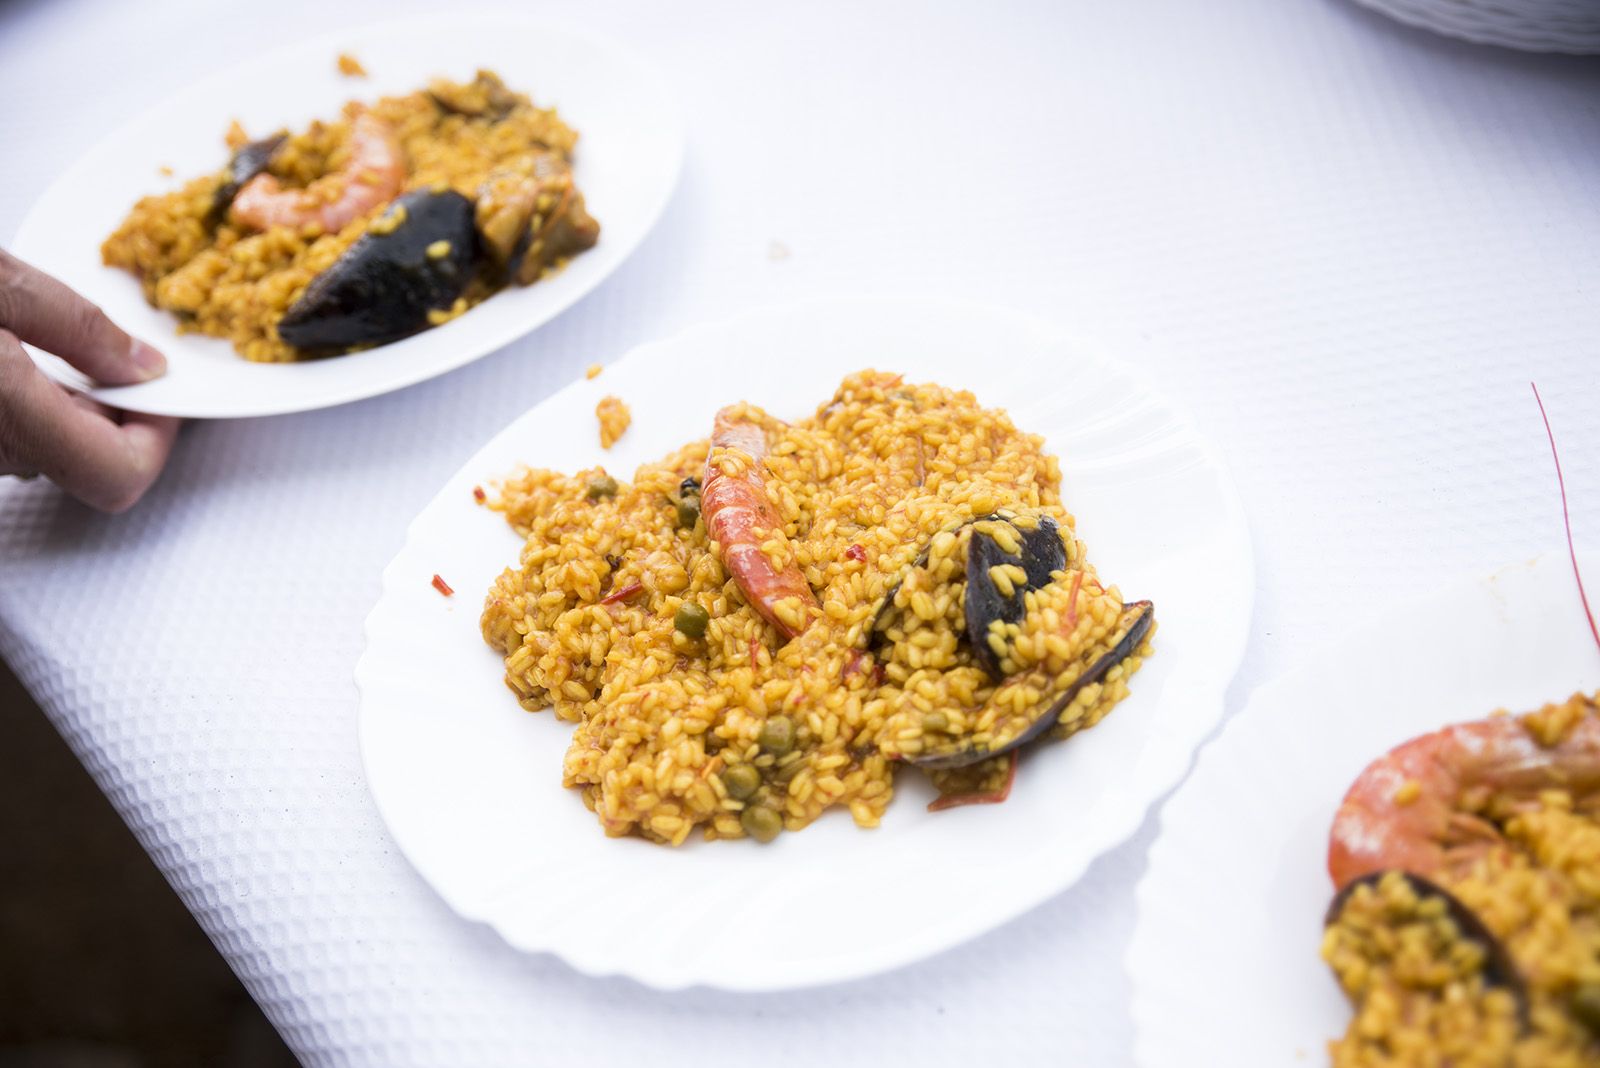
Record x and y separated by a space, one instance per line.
1532 25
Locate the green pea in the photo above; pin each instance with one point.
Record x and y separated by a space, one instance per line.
777 735
935 722
691 620
688 511
742 781
761 823
1586 1006
601 486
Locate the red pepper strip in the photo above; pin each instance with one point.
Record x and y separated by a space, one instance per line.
856 553
478 494
851 663
993 798
1072 604
442 586
623 594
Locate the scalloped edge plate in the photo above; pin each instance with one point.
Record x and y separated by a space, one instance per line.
627 162
1224 959
470 785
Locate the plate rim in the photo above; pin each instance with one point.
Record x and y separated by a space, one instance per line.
125 398
1165 773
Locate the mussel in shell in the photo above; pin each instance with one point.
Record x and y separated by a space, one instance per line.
1498 968
417 258
1132 629
1008 556
1040 553
248 161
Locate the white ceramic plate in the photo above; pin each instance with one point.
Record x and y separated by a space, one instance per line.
1224 958
626 163
470 785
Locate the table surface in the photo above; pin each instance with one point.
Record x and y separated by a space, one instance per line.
1345 245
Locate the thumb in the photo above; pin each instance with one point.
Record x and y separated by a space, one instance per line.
44 312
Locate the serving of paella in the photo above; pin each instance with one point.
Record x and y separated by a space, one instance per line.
388 219
1466 926
1381 886
807 629
767 623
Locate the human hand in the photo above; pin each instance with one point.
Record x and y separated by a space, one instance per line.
103 457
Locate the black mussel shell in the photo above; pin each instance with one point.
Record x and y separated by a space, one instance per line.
1498 968
880 618
1131 631
247 162
1584 1004
385 284
1042 554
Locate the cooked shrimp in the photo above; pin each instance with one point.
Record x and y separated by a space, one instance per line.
1405 809
373 176
733 501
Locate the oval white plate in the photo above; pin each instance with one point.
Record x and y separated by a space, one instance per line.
1224 958
470 785
631 143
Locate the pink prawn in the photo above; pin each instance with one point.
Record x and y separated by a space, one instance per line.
373 176
734 503
1404 810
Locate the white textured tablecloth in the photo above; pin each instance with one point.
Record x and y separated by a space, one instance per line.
1345 245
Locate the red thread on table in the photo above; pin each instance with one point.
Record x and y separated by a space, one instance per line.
442 586
1566 516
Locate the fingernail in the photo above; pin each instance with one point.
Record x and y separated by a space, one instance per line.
148 359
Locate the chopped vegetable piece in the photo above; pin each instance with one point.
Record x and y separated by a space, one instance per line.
617 596
939 804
